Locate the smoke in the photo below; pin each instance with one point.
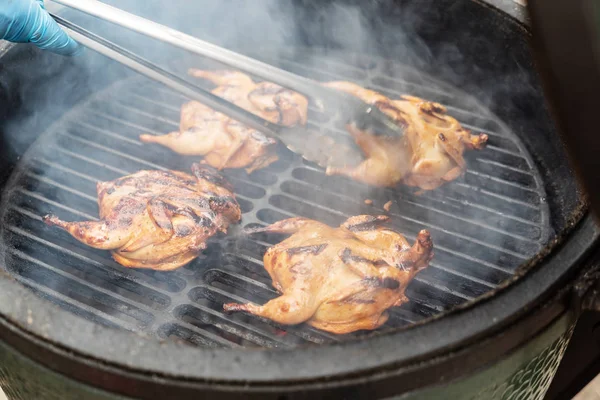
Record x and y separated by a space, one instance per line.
425 48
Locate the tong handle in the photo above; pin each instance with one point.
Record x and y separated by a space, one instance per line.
152 71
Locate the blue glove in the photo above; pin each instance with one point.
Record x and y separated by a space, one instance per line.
26 21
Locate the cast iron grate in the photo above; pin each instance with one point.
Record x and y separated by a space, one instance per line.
483 225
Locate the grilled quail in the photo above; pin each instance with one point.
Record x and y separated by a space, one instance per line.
339 279
430 153
224 142
157 219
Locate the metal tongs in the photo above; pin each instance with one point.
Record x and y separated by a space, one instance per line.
298 139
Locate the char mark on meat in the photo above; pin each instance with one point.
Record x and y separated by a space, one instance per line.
154 219
314 249
368 224
210 174
347 257
386 283
358 300
183 230
334 279
221 202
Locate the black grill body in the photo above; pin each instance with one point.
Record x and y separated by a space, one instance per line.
517 202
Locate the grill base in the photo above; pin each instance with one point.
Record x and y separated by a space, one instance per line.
525 373
483 225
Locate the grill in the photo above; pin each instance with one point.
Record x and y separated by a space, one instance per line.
484 225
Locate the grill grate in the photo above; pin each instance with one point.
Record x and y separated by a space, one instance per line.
483 225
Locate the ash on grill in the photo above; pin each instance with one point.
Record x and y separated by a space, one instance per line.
484 225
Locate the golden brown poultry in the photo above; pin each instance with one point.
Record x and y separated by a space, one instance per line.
339 279
265 99
157 219
429 154
224 142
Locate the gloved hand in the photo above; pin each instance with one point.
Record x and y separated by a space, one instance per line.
24 21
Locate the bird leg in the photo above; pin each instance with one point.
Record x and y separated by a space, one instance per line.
453 150
453 174
419 255
368 323
289 309
286 226
103 234
188 142
475 141
377 168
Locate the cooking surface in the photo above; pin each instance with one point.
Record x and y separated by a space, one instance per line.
483 225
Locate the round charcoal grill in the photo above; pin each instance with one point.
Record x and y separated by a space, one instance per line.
511 236
484 225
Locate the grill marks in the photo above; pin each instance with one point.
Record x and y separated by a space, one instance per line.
363 227
221 203
314 250
433 110
210 175
183 230
300 268
348 257
394 112
368 224
385 283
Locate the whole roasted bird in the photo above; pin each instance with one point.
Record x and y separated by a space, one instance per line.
157 219
224 142
339 279
429 154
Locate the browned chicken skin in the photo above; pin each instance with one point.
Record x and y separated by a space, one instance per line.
339 279
226 143
157 219
265 99
430 153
